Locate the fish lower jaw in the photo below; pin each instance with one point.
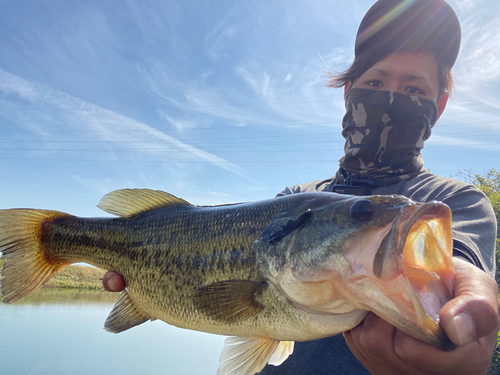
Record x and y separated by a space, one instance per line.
395 301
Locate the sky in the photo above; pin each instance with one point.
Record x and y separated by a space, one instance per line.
215 102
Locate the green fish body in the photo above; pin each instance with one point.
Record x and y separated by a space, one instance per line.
294 268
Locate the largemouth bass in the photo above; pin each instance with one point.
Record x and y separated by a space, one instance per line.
269 273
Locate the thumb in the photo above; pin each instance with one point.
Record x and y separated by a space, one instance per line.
473 313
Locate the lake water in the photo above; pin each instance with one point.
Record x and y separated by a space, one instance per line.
55 332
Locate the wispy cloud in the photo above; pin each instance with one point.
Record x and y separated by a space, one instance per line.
179 124
223 32
196 97
43 109
465 5
479 60
296 90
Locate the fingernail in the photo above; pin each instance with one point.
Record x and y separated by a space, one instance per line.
464 327
111 284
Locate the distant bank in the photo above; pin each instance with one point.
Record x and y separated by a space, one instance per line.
75 277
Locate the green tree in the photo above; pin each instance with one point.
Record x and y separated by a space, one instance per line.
489 185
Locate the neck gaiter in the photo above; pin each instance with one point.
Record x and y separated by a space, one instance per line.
384 133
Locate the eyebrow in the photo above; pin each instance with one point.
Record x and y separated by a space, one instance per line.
407 77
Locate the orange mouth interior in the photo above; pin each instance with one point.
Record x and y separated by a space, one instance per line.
428 262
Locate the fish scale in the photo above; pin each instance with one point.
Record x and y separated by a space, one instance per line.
209 237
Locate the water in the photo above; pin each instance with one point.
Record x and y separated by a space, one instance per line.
55 332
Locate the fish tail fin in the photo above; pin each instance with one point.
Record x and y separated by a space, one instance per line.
28 262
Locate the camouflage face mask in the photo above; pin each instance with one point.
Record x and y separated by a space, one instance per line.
384 132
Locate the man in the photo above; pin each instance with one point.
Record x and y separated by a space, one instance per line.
395 90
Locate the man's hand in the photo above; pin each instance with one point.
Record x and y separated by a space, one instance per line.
113 282
470 320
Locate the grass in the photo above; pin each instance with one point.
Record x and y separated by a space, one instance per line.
76 277
495 363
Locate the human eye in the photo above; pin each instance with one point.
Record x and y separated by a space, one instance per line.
414 90
374 83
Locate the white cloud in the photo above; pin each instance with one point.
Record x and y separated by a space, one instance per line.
179 124
465 5
479 60
115 132
12 85
221 34
303 99
199 98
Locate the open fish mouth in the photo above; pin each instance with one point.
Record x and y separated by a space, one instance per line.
418 249
427 255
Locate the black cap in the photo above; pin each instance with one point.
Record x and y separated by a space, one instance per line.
395 24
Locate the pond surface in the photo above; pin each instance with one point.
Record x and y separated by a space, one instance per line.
55 332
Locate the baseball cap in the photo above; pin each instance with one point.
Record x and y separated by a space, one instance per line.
395 24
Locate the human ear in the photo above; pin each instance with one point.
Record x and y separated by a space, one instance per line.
441 104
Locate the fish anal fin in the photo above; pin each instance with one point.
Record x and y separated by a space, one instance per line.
249 355
230 301
129 202
125 315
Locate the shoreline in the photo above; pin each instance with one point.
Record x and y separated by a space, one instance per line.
75 277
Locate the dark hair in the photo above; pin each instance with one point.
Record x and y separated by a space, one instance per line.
368 58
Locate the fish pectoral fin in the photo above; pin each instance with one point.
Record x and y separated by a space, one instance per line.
249 355
230 301
125 315
130 202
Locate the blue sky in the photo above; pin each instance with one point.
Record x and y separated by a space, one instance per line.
215 102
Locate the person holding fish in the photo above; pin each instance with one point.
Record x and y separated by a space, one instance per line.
398 259
395 91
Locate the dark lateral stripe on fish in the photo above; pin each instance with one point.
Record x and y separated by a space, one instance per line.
167 261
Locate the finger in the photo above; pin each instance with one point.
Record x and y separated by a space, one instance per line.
372 343
113 282
473 313
348 337
472 358
425 356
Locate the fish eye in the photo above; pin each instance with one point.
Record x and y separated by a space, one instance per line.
362 210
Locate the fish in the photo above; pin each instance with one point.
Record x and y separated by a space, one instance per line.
268 273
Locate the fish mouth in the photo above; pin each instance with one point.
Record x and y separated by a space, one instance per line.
418 252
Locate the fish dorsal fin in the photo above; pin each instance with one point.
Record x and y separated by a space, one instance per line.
129 202
249 355
124 315
230 301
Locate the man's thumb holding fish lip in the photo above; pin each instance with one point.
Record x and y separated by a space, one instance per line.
473 313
